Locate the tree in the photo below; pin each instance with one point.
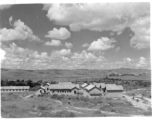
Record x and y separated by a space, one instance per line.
40 82
2 82
11 83
29 83
5 82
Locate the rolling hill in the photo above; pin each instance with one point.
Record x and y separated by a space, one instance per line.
73 75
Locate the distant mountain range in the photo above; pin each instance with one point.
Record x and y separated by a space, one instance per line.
76 74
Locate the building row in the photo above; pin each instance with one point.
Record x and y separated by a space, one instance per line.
90 90
86 89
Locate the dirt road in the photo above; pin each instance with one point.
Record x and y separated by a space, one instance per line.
138 104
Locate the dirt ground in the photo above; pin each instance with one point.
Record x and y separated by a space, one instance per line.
16 105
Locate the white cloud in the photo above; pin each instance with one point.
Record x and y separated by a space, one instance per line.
37 55
53 43
2 55
105 16
102 43
20 32
141 28
85 45
142 62
63 52
61 33
68 45
10 20
117 49
18 57
87 60
96 16
2 7
84 56
128 59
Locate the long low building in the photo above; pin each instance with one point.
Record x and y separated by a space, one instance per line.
14 88
113 90
66 88
91 90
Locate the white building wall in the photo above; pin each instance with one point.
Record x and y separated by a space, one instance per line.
13 90
114 94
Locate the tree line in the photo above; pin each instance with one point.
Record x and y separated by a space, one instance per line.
19 82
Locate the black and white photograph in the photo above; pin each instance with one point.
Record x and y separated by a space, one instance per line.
72 60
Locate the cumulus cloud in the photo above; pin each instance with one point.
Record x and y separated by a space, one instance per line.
62 52
104 16
24 58
85 45
141 28
102 43
142 62
2 7
128 60
87 60
53 43
61 33
10 20
84 56
20 32
2 55
117 49
68 45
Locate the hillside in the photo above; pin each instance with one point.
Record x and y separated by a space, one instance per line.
73 75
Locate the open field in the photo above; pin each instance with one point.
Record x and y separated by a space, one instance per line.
72 75
16 105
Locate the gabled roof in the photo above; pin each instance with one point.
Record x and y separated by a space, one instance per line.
77 86
84 84
39 87
114 87
63 85
89 87
46 84
100 84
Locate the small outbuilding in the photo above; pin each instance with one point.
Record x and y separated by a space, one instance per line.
92 91
113 90
14 88
40 91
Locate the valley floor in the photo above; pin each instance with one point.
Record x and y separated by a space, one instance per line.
22 105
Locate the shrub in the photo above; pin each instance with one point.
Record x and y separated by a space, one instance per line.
42 107
46 114
64 114
55 96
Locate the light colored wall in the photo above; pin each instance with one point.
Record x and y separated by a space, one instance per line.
13 90
72 92
114 94
60 93
95 91
85 93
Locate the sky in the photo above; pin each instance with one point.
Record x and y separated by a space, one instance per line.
75 36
